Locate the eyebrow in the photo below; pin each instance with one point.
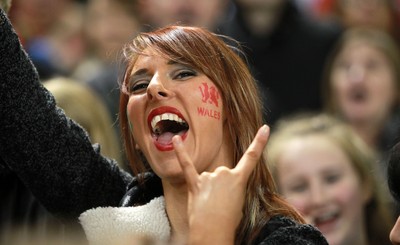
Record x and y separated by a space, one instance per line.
144 71
172 62
140 72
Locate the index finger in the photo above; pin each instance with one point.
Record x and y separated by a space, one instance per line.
253 153
187 166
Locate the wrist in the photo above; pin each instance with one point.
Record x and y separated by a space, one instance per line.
210 234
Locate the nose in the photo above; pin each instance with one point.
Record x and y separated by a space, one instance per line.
395 233
317 195
157 89
356 73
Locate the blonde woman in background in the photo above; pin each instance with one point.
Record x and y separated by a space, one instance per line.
5 4
81 104
361 85
326 172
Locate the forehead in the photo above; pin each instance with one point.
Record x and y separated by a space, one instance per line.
149 58
317 151
355 46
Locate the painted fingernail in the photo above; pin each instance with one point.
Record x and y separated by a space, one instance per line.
264 129
177 140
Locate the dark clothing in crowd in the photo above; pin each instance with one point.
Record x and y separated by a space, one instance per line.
288 63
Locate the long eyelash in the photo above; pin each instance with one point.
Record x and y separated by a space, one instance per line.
187 73
137 87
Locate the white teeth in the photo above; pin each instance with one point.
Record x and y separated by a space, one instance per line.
155 120
165 116
325 217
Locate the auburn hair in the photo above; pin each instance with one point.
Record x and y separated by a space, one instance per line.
221 60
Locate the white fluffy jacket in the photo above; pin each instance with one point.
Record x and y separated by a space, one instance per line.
106 225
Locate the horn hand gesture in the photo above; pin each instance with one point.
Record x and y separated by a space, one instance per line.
215 199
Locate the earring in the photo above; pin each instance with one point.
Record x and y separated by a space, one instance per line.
129 121
137 147
130 125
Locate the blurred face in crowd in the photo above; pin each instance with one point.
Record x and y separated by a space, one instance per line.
366 13
317 177
261 4
261 15
363 83
41 14
109 25
395 233
204 13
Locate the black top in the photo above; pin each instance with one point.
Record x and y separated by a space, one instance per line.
287 62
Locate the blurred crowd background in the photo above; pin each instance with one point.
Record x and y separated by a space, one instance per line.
287 42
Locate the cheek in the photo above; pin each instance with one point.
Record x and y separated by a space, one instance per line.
349 193
299 201
210 105
210 94
339 87
385 88
296 199
133 109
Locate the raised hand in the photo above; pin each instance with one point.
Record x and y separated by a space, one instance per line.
216 198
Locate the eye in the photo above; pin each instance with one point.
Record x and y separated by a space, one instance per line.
342 65
185 74
372 65
137 87
332 178
298 187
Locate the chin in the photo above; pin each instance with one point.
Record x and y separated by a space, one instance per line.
171 175
333 240
340 237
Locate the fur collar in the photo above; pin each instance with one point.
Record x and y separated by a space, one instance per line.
105 225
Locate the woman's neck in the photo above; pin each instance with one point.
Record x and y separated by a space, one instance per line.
369 132
176 199
360 234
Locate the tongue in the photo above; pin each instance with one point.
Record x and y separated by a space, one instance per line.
165 138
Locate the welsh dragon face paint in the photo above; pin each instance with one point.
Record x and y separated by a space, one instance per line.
211 101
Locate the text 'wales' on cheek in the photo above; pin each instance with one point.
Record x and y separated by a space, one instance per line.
202 111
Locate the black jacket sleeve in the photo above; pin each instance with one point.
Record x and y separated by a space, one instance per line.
49 152
281 230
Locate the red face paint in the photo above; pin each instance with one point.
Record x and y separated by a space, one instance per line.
208 113
209 94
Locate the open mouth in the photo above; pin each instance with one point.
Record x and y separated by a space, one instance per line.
326 221
358 96
165 126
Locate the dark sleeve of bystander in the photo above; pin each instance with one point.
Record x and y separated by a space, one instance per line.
50 153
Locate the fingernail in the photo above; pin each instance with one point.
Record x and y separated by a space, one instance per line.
177 140
264 129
